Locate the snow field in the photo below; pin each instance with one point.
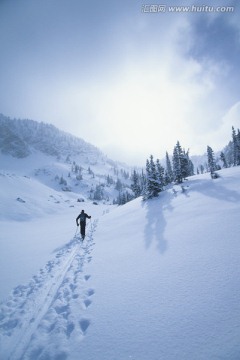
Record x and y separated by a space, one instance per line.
154 280
166 274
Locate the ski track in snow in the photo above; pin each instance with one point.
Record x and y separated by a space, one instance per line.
40 319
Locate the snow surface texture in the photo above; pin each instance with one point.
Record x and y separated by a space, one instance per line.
152 280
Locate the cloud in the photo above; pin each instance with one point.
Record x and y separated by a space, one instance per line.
128 82
154 100
143 102
223 134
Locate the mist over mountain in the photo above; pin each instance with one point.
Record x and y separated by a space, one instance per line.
20 138
67 163
61 160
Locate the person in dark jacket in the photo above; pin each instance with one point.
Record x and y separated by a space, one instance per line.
82 219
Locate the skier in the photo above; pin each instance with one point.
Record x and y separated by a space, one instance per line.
82 217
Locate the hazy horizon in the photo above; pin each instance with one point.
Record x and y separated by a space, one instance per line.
130 78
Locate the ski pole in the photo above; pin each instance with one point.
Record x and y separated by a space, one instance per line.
76 232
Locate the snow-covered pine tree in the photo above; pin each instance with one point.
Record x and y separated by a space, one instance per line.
142 182
236 147
119 185
190 167
109 180
187 165
146 191
169 171
234 139
62 181
152 185
123 198
201 169
223 158
184 164
177 161
125 174
160 175
211 161
98 193
155 186
135 186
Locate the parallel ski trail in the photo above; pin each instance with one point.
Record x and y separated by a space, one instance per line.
41 308
34 310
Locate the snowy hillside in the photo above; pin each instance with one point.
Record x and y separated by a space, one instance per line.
21 137
60 161
153 280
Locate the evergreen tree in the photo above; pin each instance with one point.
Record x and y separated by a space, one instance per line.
68 160
123 198
98 193
201 169
234 139
146 190
223 158
188 168
109 180
118 185
135 186
160 175
184 164
211 160
236 147
153 180
115 170
152 184
79 177
142 182
62 181
125 174
169 171
177 163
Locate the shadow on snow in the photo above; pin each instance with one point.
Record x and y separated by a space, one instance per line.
156 223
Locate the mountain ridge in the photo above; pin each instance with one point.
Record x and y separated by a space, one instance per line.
40 136
60 160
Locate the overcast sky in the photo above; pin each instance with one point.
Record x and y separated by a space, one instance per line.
129 80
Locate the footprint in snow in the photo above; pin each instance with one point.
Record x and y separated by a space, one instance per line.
90 292
9 325
84 324
69 329
87 303
62 309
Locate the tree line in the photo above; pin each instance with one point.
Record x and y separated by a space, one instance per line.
156 177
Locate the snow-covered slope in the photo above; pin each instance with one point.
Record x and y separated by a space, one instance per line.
60 160
153 280
20 138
